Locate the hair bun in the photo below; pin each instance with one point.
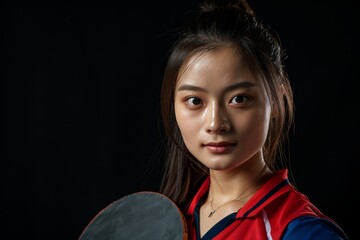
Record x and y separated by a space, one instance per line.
211 5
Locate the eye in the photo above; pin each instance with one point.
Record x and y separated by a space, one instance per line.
239 99
194 101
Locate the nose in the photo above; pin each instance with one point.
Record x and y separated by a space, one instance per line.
217 120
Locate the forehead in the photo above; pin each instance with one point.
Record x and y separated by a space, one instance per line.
223 64
220 58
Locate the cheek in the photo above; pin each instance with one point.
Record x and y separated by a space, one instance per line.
259 126
253 127
186 123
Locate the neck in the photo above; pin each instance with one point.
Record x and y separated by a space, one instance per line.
229 185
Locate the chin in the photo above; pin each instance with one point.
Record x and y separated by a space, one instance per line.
219 166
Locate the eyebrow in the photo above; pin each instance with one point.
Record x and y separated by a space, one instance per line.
189 87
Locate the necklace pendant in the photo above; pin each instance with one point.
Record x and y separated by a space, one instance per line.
211 213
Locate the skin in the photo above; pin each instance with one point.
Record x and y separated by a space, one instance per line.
223 113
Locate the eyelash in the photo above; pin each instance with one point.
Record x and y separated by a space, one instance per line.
244 99
188 101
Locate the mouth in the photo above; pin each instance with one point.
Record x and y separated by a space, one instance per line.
219 147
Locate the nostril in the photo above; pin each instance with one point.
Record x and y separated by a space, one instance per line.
220 128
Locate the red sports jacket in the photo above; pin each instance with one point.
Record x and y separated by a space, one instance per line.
265 215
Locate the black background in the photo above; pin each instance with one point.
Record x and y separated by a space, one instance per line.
80 111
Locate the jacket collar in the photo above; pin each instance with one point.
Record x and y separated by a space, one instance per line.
277 185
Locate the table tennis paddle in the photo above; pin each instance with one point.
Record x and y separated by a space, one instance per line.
142 216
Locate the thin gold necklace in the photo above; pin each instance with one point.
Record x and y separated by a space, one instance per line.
236 199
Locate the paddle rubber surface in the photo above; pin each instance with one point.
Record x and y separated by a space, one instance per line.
141 216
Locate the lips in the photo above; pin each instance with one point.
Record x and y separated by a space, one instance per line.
220 147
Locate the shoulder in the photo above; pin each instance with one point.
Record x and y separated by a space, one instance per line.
309 227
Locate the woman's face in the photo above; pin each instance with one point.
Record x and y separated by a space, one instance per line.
222 110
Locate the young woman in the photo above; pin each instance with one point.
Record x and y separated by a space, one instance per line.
227 107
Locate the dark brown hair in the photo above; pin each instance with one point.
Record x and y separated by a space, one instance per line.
218 24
